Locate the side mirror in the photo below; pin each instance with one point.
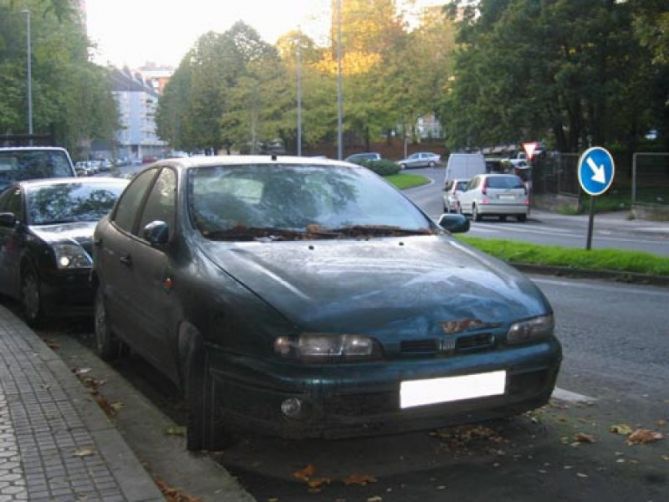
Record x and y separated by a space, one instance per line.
157 233
7 220
454 223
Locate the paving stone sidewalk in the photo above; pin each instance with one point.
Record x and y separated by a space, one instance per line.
56 444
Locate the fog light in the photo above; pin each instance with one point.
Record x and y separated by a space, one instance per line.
291 407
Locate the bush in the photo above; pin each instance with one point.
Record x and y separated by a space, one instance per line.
382 167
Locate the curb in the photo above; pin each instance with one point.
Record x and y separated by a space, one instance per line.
611 275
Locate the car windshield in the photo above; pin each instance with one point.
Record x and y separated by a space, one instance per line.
17 165
504 182
286 202
70 202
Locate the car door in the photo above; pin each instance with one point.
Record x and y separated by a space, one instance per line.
11 242
152 278
113 242
468 195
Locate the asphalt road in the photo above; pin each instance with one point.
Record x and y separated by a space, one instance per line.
610 231
616 344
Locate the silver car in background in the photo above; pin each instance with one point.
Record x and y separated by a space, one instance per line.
495 195
452 191
420 159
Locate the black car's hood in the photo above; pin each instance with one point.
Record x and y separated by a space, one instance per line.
409 283
80 232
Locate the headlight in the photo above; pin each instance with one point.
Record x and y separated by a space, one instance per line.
70 256
531 330
318 347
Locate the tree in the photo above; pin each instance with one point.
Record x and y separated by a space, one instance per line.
573 70
71 96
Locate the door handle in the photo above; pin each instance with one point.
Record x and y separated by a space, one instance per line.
126 259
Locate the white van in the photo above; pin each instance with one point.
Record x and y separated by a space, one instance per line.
464 166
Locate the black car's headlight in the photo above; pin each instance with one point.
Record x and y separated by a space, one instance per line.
69 256
530 330
319 347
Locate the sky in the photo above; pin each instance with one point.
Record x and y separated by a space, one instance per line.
134 32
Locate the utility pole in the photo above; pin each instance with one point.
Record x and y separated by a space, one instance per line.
299 98
340 105
29 76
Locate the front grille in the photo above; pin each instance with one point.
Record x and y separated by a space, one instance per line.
424 346
478 341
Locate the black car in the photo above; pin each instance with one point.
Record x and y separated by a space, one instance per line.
46 231
309 298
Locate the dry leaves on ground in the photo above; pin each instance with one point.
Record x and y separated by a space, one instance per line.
359 479
176 430
306 473
174 494
52 344
83 452
581 437
644 436
622 429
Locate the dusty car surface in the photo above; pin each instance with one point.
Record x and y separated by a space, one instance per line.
309 298
46 234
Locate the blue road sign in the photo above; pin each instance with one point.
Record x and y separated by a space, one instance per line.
596 170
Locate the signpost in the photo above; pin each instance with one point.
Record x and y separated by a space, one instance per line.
595 175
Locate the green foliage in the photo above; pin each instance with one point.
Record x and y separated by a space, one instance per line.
382 167
574 70
71 96
595 259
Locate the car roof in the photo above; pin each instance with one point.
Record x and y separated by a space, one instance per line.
236 160
42 182
28 148
499 175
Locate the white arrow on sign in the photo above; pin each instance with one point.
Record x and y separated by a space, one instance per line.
598 174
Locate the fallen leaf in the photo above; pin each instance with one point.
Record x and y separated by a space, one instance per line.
80 371
174 494
83 452
116 406
375 498
644 436
52 344
306 473
584 438
581 475
359 479
622 429
665 458
318 482
272 499
661 423
176 430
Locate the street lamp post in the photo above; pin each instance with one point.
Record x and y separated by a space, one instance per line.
340 105
29 83
299 100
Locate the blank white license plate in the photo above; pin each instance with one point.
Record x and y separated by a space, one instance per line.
447 389
507 197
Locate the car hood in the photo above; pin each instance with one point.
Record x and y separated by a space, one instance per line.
409 284
80 232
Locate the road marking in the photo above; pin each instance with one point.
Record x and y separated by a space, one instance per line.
571 397
614 289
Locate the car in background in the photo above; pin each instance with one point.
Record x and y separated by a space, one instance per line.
452 191
309 298
46 241
28 163
420 159
361 158
499 195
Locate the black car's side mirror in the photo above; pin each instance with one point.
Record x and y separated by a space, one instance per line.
454 223
157 233
7 220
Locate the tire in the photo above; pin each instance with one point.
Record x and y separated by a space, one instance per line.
522 218
431 164
475 213
502 217
204 429
403 166
107 345
31 297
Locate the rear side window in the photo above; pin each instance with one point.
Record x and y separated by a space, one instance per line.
504 182
131 200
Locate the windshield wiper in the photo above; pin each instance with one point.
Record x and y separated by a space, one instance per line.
241 233
380 230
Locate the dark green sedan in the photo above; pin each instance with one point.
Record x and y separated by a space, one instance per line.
309 298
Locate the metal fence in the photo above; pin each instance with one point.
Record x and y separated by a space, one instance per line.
650 178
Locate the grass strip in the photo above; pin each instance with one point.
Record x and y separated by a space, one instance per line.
595 259
404 180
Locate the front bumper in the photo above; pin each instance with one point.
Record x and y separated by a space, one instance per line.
346 400
67 292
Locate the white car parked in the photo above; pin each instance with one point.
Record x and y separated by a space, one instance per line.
452 191
495 195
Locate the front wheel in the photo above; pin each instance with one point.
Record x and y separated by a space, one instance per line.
31 297
475 213
521 218
431 164
107 345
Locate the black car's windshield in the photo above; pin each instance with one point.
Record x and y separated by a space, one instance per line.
287 202
70 202
18 165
